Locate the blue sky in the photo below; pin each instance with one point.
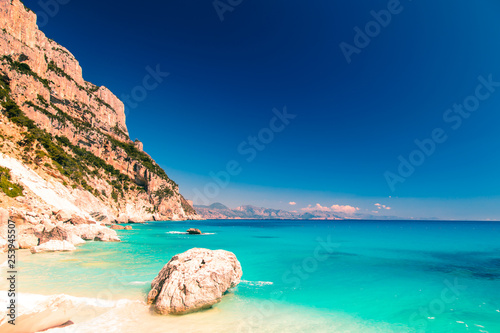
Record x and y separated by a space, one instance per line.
353 118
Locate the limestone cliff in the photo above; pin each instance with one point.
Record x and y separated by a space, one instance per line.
73 133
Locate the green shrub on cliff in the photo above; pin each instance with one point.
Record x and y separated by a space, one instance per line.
42 100
164 192
12 190
60 72
25 69
135 154
4 87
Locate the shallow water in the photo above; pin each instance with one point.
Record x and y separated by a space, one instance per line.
321 276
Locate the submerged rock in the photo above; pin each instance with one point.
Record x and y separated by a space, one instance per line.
193 231
53 246
194 280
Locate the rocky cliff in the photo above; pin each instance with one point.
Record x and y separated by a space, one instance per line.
64 141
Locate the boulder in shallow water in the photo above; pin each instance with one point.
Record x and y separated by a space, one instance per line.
194 280
193 231
53 246
95 232
117 227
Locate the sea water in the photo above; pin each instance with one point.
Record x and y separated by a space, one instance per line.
298 276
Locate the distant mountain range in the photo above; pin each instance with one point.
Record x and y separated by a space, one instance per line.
218 211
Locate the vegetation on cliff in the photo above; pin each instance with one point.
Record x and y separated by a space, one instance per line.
7 186
76 166
73 131
142 157
25 69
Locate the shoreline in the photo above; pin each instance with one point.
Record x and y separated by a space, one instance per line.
236 315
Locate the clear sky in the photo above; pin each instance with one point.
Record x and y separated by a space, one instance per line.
360 81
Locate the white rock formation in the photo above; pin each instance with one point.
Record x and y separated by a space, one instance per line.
53 246
94 232
194 280
67 201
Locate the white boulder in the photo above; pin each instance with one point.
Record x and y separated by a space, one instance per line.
194 280
53 246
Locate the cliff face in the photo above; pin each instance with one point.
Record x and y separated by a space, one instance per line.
74 132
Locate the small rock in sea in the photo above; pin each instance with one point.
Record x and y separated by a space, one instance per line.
120 227
193 231
194 280
117 227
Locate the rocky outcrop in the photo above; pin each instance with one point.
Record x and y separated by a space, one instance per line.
194 280
117 227
28 236
58 233
107 175
45 228
120 227
96 233
53 246
193 231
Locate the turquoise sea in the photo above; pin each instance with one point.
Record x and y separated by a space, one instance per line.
298 276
